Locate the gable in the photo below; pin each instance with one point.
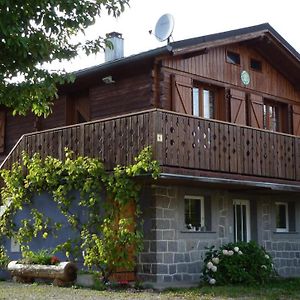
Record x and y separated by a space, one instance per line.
212 65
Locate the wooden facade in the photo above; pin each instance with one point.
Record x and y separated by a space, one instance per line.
241 130
187 144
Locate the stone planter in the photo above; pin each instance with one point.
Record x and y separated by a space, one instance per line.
63 274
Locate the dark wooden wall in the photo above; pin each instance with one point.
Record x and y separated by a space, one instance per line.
131 91
212 67
127 94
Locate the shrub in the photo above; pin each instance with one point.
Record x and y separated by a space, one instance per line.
4 260
42 257
239 262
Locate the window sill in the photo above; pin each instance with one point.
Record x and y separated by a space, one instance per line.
195 231
285 232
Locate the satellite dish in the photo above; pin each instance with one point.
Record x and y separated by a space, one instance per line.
164 27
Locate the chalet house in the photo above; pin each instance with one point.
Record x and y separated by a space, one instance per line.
222 113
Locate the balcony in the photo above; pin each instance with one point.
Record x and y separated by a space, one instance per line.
182 144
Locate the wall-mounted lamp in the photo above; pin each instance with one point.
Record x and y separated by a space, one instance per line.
108 80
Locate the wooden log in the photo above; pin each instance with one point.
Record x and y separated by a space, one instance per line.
63 272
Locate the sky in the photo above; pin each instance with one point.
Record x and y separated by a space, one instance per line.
193 18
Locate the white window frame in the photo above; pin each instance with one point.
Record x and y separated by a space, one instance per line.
202 213
248 225
286 229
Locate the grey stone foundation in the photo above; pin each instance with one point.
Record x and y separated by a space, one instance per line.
173 254
283 247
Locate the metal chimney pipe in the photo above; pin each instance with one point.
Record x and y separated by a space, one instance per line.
117 51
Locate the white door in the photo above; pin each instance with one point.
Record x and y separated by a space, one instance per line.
241 220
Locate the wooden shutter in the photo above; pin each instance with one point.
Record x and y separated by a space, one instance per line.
2 131
237 107
256 108
182 94
296 120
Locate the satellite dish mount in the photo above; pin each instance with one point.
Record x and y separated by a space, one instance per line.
164 28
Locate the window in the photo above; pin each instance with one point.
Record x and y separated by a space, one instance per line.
256 64
282 217
271 117
204 102
275 116
194 213
285 216
233 58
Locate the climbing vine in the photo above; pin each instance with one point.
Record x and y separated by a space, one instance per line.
109 236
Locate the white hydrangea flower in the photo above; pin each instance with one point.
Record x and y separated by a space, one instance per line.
225 252
216 260
212 281
236 249
264 267
240 252
214 268
209 265
230 252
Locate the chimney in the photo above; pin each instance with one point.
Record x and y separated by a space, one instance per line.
118 46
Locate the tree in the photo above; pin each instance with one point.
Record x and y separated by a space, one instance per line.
35 32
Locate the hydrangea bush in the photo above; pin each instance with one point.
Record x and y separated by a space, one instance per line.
239 262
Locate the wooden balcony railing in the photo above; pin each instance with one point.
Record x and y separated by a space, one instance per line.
179 141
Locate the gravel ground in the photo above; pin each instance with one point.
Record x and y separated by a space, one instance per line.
17 291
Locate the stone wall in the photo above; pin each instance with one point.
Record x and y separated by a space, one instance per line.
283 247
172 254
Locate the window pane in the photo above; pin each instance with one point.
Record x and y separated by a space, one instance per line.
233 58
244 223
208 104
271 117
193 213
196 102
281 221
255 64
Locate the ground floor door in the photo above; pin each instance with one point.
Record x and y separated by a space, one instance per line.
241 220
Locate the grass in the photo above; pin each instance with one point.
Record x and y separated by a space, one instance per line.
277 289
280 289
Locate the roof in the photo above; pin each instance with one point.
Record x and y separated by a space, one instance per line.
263 37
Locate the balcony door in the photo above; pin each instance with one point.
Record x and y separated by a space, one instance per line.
241 220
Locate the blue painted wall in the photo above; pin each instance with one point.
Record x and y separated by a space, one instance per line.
45 204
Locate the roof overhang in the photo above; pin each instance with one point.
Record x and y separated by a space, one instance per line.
232 184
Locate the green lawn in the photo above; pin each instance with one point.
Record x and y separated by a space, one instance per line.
283 289
279 289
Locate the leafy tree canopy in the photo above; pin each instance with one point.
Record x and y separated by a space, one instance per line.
35 32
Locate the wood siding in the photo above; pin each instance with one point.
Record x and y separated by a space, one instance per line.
212 66
127 94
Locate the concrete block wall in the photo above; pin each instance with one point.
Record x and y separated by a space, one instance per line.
283 247
172 254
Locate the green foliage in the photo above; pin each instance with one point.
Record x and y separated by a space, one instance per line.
115 248
4 259
41 257
37 32
109 236
239 262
